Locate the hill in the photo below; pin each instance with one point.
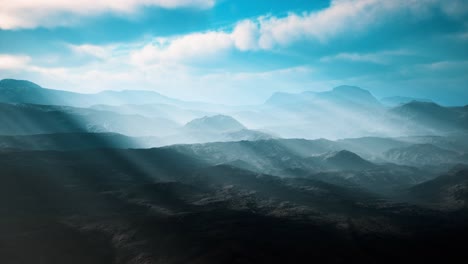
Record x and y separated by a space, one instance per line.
449 191
216 123
422 154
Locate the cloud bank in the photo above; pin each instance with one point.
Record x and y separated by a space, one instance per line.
270 32
17 14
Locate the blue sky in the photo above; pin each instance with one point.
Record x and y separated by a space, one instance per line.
239 51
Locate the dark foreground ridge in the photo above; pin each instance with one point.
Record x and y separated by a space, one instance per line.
98 206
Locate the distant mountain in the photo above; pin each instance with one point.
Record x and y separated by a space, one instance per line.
400 100
132 97
19 91
345 96
247 134
346 160
421 154
348 111
217 128
27 119
350 96
218 123
343 112
449 191
431 118
283 99
371 148
167 111
454 142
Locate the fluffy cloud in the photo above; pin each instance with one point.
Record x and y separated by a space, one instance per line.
349 16
185 48
101 52
30 14
245 35
270 32
13 62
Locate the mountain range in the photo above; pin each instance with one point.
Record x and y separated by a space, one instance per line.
137 177
343 112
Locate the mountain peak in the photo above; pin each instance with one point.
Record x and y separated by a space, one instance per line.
349 89
280 98
350 95
416 103
423 107
342 154
18 84
215 122
345 159
401 100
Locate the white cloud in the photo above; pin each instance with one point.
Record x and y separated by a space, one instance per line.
270 32
347 16
13 62
440 66
30 14
245 35
100 52
196 46
185 48
381 57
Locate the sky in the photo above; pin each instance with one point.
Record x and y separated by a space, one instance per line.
239 51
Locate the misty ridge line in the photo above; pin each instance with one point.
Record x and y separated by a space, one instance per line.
343 112
387 101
